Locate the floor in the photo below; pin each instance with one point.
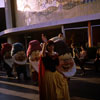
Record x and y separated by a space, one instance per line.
81 87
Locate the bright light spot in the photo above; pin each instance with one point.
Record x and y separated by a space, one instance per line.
20 5
2 4
34 5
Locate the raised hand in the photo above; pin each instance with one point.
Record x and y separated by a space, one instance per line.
44 39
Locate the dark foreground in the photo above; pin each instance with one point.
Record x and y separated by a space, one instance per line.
81 87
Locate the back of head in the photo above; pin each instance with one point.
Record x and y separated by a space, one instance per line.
16 48
60 46
50 42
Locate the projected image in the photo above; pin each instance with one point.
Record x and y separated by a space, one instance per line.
39 11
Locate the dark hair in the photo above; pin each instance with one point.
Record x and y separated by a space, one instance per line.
61 47
50 42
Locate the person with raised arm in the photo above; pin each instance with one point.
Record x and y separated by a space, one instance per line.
53 85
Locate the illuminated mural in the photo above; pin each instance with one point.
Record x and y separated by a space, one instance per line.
39 11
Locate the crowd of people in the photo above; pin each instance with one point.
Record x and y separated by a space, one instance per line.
51 64
79 56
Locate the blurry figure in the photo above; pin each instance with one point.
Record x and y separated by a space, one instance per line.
74 52
53 85
86 44
19 58
41 44
82 58
60 35
33 53
6 58
97 60
68 66
1 62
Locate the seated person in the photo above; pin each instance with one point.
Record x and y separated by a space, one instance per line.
83 53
